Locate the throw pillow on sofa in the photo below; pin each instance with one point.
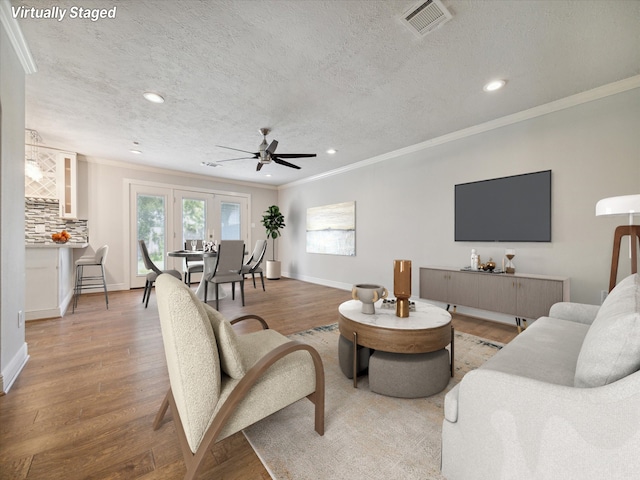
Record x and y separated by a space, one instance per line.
230 356
611 348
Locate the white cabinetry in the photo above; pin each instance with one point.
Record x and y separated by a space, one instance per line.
66 181
58 180
49 280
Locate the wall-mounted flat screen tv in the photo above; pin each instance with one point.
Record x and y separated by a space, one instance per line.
507 209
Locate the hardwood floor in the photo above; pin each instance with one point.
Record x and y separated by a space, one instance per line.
84 404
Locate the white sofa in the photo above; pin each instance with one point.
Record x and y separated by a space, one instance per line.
561 401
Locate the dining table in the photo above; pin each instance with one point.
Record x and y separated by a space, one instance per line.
196 255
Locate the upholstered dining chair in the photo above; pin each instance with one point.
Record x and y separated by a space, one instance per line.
225 267
221 382
153 274
193 266
91 281
252 265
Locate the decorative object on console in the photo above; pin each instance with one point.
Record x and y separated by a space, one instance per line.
489 266
402 286
474 259
510 267
623 205
368 294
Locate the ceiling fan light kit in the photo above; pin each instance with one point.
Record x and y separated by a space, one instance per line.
266 153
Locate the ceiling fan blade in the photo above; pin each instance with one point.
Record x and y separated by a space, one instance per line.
239 158
272 147
259 166
238 150
295 155
285 163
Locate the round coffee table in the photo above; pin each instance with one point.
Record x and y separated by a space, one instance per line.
427 329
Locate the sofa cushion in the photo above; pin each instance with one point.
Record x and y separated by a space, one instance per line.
611 348
547 351
231 360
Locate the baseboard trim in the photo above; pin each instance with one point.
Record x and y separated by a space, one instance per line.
320 281
13 369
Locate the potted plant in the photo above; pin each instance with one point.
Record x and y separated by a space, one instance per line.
273 222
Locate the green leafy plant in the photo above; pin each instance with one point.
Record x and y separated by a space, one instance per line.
273 222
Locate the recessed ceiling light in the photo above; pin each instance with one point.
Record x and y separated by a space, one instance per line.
153 97
494 85
332 151
268 175
137 152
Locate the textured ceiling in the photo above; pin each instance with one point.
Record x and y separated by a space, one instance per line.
342 74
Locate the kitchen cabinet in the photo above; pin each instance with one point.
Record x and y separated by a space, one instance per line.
49 279
58 180
66 182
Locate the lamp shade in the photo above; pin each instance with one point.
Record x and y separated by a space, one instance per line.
623 205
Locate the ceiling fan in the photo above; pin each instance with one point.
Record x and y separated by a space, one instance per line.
266 154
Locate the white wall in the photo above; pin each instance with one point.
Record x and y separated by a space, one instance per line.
102 195
13 349
405 205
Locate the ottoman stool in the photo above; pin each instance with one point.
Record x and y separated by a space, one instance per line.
409 375
345 356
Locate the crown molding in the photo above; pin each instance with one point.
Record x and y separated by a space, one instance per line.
167 171
16 38
557 105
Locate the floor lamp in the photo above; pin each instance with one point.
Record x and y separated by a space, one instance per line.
624 205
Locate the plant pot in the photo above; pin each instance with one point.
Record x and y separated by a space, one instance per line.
273 269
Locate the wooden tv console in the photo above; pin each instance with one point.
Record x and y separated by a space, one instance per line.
521 295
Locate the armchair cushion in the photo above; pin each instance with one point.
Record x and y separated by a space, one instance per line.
611 348
231 360
290 379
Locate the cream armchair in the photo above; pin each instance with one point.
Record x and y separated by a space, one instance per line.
221 382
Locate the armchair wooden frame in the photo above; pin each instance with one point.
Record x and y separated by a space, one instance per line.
194 460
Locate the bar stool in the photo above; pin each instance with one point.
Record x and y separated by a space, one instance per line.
97 260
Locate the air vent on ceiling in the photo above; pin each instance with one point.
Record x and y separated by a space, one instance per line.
425 16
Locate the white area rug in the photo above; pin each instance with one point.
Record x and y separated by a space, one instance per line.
367 436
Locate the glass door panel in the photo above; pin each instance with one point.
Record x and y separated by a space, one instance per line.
150 220
230 221
194 221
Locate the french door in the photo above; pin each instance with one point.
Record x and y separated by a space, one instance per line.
151 221
170 218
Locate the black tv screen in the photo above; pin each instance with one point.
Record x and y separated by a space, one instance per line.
507 209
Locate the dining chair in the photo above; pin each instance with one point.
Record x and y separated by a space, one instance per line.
193 266
221 382
252 266
153 274
96 260
225 267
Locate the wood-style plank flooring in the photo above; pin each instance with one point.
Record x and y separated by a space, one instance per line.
84 404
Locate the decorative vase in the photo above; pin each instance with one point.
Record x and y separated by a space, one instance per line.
402 286
368 294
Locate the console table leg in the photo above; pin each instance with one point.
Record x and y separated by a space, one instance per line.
452 349
521 323
355 359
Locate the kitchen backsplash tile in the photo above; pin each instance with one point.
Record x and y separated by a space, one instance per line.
45 211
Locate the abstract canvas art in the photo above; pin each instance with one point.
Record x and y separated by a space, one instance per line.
331 229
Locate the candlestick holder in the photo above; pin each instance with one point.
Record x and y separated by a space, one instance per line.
402 286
